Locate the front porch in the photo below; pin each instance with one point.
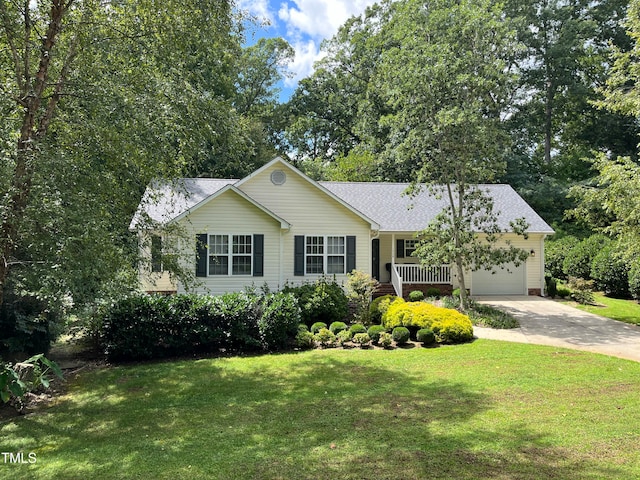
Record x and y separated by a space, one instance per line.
398 270
406 278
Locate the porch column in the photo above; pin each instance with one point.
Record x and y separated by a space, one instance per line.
393 249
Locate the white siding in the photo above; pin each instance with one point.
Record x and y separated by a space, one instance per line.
310 211
231 214
534 264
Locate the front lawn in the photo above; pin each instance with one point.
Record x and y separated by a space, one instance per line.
627 311
485 409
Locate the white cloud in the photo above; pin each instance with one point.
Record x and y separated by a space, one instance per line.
308 22
258 8
307 53
319 18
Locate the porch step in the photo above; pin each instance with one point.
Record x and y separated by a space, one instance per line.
384 289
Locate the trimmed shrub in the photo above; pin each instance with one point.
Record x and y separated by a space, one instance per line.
577 262
611 272
426 336
379 306
453 329
361 339
315 328
337 327
433 292
413 315
151 326
343 336
302 327
400 335
358 328
416 296
374 332
305 340
555 252
321 301
564 292
279 320
385 339
325 337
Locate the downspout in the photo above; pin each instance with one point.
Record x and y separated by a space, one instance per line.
542 282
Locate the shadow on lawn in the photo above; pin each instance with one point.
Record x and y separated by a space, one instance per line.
281 416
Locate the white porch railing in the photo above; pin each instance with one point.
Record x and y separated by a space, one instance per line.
417 274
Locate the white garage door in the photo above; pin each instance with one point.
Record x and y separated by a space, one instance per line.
511 280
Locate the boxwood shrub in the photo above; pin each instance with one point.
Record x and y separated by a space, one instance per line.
316 327
358 328
426 336
400 335
374 332
416 295
337 327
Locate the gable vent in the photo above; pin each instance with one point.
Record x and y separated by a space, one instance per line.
278 177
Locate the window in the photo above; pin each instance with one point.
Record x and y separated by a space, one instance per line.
315 255
230 254
325 255
409 247
241 258
335 255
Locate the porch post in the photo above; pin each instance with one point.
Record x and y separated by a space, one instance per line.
393 249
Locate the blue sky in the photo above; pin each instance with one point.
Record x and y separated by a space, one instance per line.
304 24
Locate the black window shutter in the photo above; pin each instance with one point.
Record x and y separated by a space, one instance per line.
201 254
258 255
298 258
156 253
399 248
351 254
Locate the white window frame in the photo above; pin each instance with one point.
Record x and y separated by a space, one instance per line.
410 247
234 250
326 249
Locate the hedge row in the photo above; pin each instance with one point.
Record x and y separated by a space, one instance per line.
149 326
608 263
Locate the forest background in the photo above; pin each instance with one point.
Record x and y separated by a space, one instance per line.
101 97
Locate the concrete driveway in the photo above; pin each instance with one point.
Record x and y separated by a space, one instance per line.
545 322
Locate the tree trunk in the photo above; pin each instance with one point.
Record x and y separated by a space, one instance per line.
35 122
464 300
548 124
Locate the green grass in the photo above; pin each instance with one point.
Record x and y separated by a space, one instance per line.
480 410
618 309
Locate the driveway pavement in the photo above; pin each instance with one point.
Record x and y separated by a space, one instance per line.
545 322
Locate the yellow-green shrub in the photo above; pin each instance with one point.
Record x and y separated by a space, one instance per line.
453 327
450 326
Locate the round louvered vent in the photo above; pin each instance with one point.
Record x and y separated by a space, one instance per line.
278 177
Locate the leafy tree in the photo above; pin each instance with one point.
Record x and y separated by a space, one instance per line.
447 84
337 108
98 100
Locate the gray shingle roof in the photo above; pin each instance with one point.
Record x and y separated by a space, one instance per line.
395 211
164 201
385 203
